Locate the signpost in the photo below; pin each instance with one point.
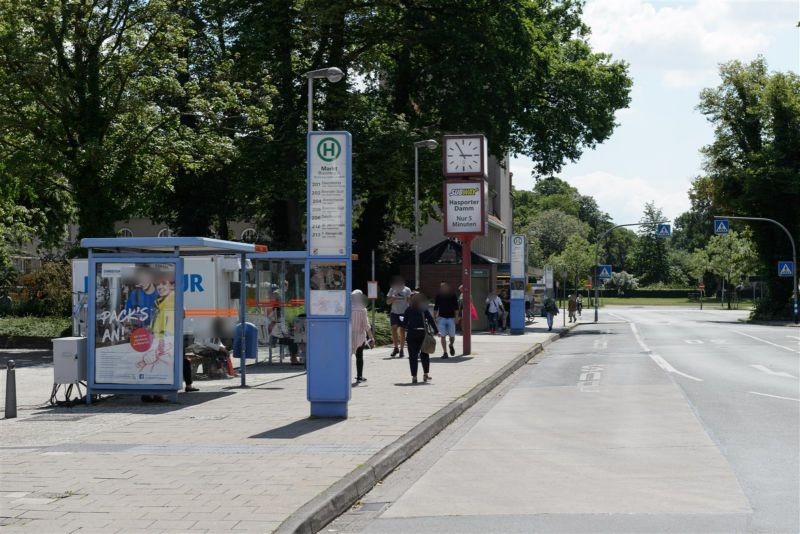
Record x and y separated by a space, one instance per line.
464 166
722 226
785 268
517 282
663 230
328 272
604 272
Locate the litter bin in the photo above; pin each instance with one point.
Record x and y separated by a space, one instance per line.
250 341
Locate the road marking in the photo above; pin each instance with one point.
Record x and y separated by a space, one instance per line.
600 343
590 378
694 341
794 337
773 396
765 369
661 362
765 341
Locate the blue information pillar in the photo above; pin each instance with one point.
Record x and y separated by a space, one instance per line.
328 272
518 281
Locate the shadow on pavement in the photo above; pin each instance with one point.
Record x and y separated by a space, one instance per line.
134 404
297 429
26 357
451 359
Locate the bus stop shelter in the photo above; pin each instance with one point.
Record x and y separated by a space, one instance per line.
135 340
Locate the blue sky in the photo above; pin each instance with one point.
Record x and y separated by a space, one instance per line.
673 49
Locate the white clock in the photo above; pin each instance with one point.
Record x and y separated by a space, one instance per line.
464 155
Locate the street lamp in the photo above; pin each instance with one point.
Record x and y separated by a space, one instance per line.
430 144
332 74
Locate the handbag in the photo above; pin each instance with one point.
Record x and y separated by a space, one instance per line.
429 343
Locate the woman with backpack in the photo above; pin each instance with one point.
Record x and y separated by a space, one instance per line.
550 310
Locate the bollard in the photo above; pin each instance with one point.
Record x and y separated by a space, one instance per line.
11 391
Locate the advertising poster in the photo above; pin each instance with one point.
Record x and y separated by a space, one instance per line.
135 323
464 208
328 285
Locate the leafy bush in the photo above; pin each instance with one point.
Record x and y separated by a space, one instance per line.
35 326
45 292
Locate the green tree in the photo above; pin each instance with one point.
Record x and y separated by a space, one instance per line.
754 160
620 245
552 230
693 228
732 257
576 260
78 110
651 259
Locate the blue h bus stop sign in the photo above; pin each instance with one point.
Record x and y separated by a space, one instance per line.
328 272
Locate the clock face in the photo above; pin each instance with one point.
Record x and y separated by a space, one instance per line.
463 155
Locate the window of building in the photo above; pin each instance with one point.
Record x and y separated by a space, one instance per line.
165 232
124 232
249 235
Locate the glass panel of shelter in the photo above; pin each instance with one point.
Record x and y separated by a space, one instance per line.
276 305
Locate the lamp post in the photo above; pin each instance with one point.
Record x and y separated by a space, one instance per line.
332 74
430 144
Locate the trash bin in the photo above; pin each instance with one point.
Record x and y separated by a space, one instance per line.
250 341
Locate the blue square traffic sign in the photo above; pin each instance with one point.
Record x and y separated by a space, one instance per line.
786 268
664 230
604 272
721 226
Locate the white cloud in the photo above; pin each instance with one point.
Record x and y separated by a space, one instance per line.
710 29
688 79
624 197
686 40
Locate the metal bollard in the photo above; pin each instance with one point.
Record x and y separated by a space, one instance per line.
11 391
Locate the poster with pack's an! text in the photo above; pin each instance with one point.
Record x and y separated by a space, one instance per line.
135 323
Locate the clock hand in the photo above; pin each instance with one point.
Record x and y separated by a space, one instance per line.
459 149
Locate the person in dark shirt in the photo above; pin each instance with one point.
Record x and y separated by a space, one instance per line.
445 307
414 322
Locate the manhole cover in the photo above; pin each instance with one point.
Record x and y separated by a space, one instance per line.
56 417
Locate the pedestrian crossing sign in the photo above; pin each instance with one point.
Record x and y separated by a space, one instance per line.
722 226
663 230
786 268
604 272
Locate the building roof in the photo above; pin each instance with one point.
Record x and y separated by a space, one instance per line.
448 252
168 245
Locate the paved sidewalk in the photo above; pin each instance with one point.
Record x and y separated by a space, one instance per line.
223 459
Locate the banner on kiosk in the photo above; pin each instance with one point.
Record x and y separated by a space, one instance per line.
518 256
465 207
135 323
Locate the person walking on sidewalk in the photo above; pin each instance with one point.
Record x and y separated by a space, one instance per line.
579 302
360 332
398 297
572 307
415 320
494 307
550 310
445 307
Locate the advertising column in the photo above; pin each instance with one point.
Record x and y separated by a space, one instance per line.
328 272
518 280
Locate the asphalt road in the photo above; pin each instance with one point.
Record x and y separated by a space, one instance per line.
653 420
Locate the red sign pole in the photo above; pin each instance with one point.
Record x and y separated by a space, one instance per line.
466 282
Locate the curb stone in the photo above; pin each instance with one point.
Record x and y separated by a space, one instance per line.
339 497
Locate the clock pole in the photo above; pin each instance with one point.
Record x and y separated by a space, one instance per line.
466 283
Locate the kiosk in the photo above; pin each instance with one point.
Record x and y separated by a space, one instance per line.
135 335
